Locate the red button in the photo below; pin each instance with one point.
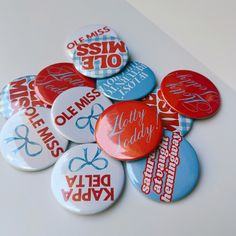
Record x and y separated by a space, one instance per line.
56 78
128 130
191 94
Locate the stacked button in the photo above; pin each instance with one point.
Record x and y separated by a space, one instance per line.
29 141
191 94
73 103
88 32
19 94
56 78
86 180
128 130
134 82
169 173
100 53
75 113
171 119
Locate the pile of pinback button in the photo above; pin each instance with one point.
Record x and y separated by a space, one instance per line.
144 128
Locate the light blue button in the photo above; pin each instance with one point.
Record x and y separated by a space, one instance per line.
168 174
134 82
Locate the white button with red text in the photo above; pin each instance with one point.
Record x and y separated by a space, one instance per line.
86 180
75 113
29 141
88 32
109 58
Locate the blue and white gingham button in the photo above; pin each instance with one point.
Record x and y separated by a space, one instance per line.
171 120
87 32
18 94
97 60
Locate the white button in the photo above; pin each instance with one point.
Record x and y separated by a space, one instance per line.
86 181
75 113
29 141
88 32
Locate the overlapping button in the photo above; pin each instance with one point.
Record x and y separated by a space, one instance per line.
29 141
86 180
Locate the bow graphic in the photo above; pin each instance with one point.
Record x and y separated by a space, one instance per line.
88 119
26 143
99 163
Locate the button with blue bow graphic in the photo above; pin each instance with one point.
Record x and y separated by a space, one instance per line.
75 113
29 141
168 174
88 32
100 57
134 82
19 94
171 120
86 180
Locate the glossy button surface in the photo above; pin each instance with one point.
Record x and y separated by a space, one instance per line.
100 57
88 32
75 113
191 94
168 174
128 130
134 82
19 94
85 180
28 140
171 120
56 78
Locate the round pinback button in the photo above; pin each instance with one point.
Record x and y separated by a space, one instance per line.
100 57
86 180
75 113
168 174
171 120
128 130
191 94
56 78
134 82
88 32
19 94
29 141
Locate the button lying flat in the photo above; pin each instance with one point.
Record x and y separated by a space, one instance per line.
171 120
28 140
169 173
88 32
134 82
191 94
17 95
56 78
86 180
75 113
128 130
100 57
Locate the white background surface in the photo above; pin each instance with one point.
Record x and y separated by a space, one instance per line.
33 35
206 28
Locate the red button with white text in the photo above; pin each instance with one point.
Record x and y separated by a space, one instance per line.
56 78
191 94
128 130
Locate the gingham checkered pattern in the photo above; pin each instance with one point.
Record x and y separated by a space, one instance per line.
185 124
5 106
98 72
